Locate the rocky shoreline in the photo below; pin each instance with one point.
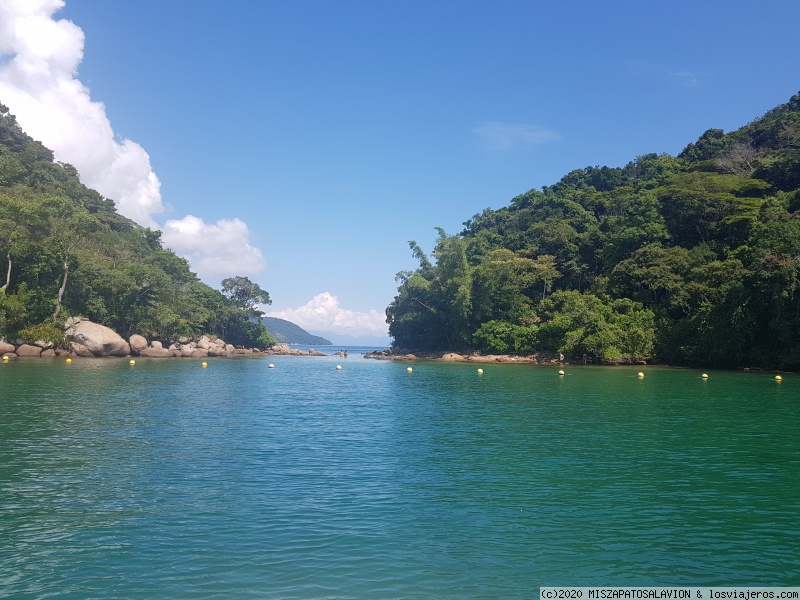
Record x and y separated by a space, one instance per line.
456 357
90 340
533 359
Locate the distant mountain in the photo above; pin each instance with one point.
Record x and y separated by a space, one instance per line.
341 339
289 333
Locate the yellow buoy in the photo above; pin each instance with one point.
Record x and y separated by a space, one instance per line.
338 367
561 373
68 361
5 358
704 375
409 369
271 366
204 365
778 378
132 362
480 371
641 375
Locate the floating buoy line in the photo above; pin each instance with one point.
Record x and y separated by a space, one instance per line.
561 373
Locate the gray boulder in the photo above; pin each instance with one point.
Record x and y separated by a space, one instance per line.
6 347
188 352
80 350
28 350
99 339
155 353
137 343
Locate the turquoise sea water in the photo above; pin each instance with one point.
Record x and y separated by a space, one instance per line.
168 480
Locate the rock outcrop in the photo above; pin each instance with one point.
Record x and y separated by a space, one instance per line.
284 349
88 339
137 343
99 339
154 352
77 349
28 350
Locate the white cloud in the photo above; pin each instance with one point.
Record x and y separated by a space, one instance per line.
323 313
510 136
663 72
39 58
38 83
215 251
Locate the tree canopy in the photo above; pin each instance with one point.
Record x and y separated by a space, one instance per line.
690 259
65 250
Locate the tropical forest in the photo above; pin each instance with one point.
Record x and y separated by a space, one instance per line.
66 251
691 259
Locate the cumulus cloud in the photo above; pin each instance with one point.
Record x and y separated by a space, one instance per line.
38 83
323 313
39 58
499 136
216 251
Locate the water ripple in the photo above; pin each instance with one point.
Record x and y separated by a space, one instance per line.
168 480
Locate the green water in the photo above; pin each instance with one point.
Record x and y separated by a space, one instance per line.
168 480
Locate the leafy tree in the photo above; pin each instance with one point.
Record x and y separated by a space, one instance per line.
653 275
501 287
14 310
709 146
501 337
245 294
67 225
453 282
577 324
414 318
12 230
707 207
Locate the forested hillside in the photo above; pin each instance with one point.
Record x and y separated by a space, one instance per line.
287 332
688 259
65 250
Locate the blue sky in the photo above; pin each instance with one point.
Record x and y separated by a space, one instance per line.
322 136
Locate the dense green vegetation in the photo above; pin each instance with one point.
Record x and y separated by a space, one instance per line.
65 250
688 259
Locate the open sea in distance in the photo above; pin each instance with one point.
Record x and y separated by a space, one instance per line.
169 480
